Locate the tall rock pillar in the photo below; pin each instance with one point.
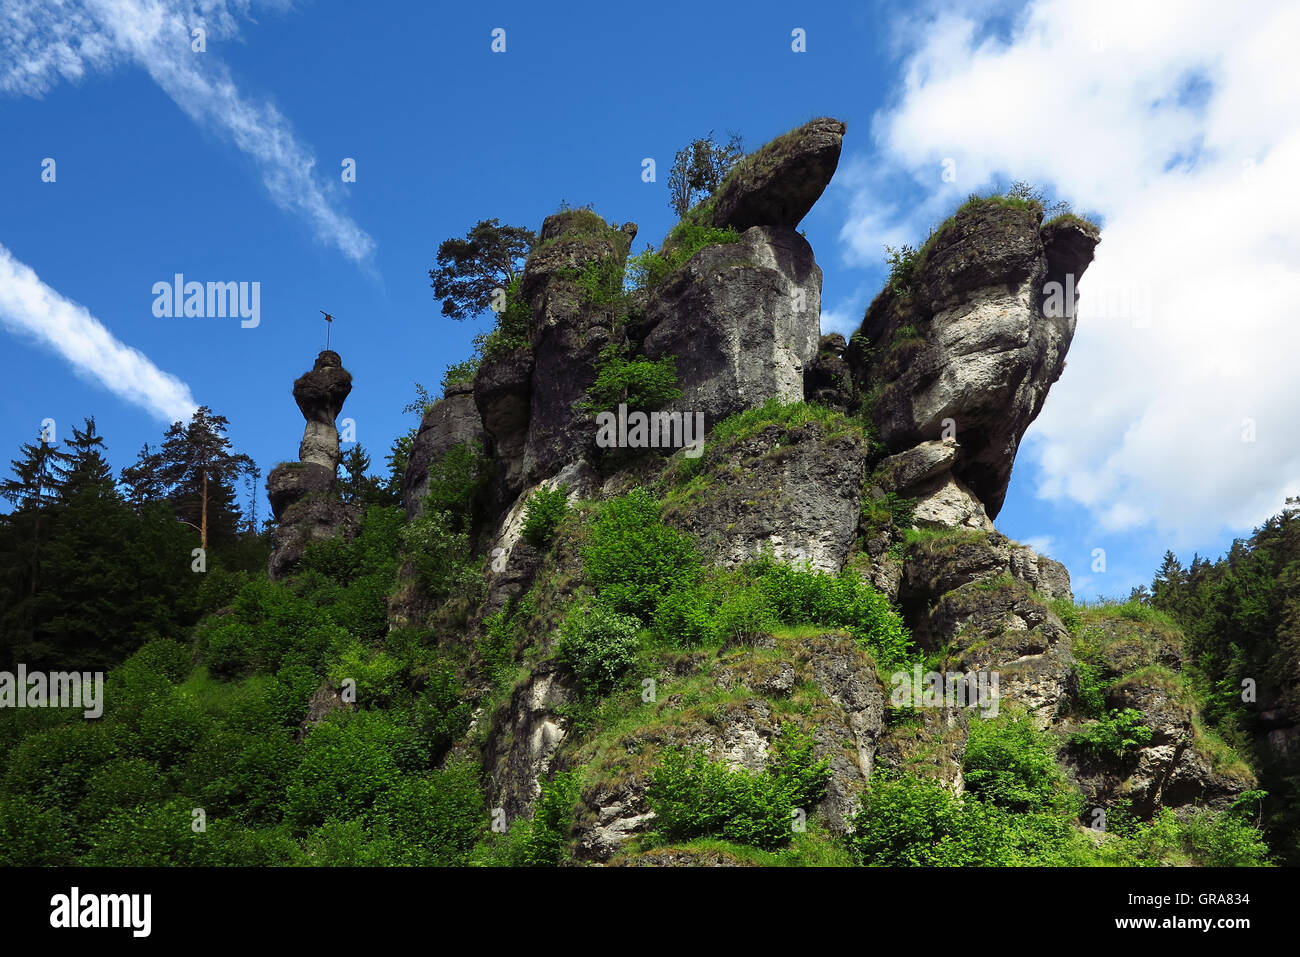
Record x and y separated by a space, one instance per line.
303 494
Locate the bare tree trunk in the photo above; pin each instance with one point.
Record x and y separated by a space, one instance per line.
203 532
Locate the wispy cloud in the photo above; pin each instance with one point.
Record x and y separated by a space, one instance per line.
1179 123
30 307
42 44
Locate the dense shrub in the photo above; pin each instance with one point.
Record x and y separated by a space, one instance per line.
640 384
455 481
442 557
349 763
694 797
795 766
548 831
543 513
375 674
33 835
243 775
269 627
650 268
163 656
435 819
914 822
599 644
1012 764
802 595
1117 735
442 712
633 558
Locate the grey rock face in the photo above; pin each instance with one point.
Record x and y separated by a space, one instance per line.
536 730
314 518
569 332
742 321
452 420
845 731
828 380
794 492
503 396
977 342
778 184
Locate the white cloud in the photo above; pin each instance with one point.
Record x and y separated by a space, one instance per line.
1179 123
42 44
1042 544
30 307
839 320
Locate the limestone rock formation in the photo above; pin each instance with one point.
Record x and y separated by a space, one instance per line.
452 420
303 494
951 365
793 492
778 184
742 320
970 348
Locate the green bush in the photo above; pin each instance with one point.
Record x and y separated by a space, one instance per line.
650 268
442 557
796 768
34 836
153 835
349 763
1012 764
694 797
548 832
168 658
268 627
805 596
53 767
887 512
543 513
687 616
455 480
514 324
435 819
1090 688
599 644
1223 839
376 674
1115 736
913 822
633 558
442 712
459 373
902 264
744 616
343 842
641 384
243 775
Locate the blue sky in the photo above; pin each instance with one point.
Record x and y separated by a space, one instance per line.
168 161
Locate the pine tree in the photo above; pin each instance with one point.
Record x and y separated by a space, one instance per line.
357 487
81 466
141 481
33 490
198 468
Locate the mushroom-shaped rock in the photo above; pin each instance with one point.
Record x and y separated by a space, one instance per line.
778 184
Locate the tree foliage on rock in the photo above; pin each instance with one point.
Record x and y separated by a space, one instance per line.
699 168
490 257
